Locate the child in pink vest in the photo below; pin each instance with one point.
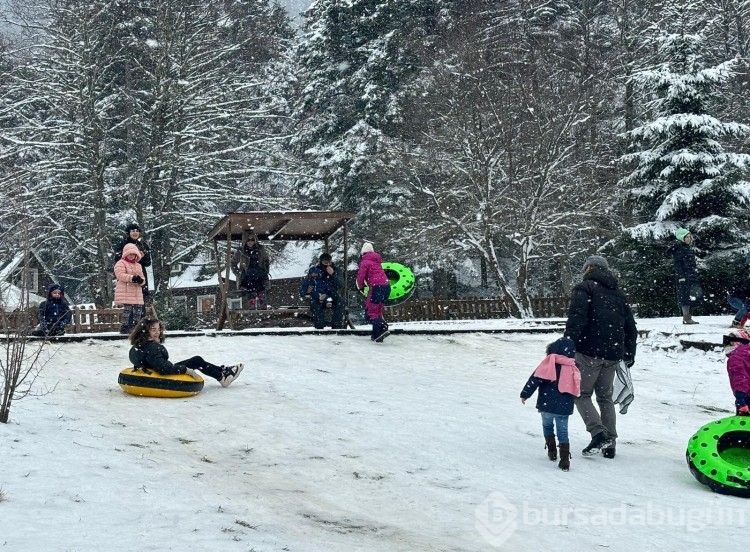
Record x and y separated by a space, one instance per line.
559 382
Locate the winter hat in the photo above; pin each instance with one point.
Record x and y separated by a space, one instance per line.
563 346
55 287
132 226
596 261
680 233
367 248
324 257
131 249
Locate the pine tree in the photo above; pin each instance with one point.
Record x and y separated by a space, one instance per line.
683 175
358 61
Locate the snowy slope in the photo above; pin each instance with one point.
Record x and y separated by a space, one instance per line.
334 443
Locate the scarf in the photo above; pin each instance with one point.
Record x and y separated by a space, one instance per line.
570 375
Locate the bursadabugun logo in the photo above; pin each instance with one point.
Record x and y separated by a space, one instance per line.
496 519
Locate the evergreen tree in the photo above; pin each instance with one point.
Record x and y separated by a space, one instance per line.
358 63
683 174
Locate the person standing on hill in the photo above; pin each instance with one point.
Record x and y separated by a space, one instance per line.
251 267
134 235
372 275
128 291
601 325
687 281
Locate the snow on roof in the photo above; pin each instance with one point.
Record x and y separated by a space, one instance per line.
11 297
293 262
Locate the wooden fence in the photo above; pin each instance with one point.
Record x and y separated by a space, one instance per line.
108 320
84 320
472 308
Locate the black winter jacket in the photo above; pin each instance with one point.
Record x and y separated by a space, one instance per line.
54 312
600 321
687 280
550 399
154 356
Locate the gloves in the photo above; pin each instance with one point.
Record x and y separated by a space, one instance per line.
743 411
137 279
188 371
629 363
322 297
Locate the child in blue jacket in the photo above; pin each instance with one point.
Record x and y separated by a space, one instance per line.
54 313
559 382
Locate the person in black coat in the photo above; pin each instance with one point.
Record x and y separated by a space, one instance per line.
687 281
601 324
148 353
54 313
323 286
134 235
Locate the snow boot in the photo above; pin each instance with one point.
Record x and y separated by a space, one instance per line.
598 442
551 445
688 320
564 464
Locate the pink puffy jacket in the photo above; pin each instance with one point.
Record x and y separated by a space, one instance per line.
126 292
371 271
738 367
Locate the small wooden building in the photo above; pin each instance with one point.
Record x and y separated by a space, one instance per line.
272 226
23 284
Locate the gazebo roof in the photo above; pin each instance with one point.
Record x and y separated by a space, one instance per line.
281 225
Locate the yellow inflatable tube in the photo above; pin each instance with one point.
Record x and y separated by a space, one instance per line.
149 383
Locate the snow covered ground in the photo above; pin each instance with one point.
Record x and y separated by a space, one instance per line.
334 443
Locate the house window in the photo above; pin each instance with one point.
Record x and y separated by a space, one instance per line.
33 280
235 303
176 269
179 302
206 303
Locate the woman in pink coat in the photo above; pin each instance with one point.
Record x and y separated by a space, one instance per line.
129 288
372 275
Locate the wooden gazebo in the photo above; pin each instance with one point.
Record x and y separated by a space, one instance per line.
276 226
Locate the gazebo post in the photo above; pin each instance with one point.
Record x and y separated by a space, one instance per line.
224 315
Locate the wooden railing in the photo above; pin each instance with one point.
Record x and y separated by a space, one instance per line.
83 321
472 308
108 320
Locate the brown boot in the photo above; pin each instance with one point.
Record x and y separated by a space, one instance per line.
551 445
564 464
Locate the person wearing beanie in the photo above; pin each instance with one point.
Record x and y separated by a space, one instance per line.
559 381
601 325
687 281
134 235
322 286
738 295
251 267
372 276
54 313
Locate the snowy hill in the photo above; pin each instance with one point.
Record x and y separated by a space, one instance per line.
334 443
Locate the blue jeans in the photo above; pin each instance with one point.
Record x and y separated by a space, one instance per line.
549 421
738 304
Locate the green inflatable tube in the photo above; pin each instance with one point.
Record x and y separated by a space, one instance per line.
402 280
718 455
